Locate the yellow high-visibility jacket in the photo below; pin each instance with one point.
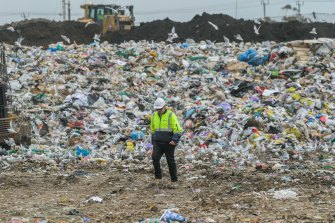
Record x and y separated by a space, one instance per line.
165 128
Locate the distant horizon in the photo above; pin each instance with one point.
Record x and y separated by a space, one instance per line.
178 11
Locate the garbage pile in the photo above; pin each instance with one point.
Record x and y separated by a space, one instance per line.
94 102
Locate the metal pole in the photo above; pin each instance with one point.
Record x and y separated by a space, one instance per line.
299 4
69 10
264 7
236 10
64 10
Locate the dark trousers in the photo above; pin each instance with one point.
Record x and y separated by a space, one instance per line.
168 150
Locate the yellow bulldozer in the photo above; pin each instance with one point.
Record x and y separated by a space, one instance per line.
110 17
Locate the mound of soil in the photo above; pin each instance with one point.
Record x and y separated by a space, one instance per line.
42 32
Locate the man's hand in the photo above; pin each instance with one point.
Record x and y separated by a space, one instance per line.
172 143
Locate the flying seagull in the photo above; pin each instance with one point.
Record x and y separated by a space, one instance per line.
226 40
11 127
172 35
19 41
257 21
66 39
257 29
239 37
313 31
11 28
214 26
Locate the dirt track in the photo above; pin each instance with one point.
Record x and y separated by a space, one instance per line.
128 196
44 32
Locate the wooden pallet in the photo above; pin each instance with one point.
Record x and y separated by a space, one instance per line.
4 125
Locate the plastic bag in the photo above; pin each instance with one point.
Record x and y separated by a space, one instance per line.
285 194
170 216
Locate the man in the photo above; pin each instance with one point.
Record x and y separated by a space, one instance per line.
166 132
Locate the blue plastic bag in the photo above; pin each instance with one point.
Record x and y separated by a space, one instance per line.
82 152
52 49
136 135
170 216
189 113
184 45
248 55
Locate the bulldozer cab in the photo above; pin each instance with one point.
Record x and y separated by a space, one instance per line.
110 17
21 135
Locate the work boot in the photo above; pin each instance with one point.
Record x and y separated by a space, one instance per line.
173 185
155 183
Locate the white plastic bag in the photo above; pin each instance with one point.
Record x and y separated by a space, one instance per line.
285 194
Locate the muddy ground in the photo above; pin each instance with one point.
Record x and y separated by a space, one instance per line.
204 194
40 32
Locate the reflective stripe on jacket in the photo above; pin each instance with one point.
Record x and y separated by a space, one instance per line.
166 127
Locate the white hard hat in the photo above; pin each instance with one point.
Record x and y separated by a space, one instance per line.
159 103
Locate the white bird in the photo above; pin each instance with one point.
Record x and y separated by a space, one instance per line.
172 35
10 142
257 29
19 41
11 127
214 26
313 31
11 28
116 11
97 37
239 37
226 40
173 30
257 21
66 39
89 23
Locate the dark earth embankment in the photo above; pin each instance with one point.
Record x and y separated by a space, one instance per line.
42 32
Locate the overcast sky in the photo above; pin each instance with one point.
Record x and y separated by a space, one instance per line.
148 10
